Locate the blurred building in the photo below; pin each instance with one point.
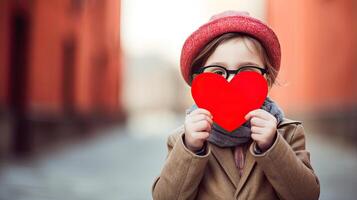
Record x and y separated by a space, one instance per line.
59 67
319 62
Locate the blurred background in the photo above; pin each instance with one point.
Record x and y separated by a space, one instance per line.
90 90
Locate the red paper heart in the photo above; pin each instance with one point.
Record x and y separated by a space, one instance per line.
229 102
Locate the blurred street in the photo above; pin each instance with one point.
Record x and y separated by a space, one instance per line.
121 165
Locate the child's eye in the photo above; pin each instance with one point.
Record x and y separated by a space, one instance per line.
249 69
215 69
219 72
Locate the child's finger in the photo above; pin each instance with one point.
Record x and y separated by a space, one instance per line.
203 135
255 121
257 130
201 111
257 137
200 117
260 113
203 126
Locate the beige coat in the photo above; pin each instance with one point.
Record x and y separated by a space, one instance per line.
282 172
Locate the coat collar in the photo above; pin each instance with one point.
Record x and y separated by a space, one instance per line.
225 158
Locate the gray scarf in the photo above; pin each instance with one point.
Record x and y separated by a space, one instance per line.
241 135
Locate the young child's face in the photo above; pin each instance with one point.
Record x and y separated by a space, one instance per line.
234 54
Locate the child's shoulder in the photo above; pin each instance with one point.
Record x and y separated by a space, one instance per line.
287 121
289 127
175 134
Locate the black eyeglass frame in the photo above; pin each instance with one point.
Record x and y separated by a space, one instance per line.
235 72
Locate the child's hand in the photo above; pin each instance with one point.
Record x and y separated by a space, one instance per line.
263 127
198 125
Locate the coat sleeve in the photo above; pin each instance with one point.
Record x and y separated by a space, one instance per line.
287 167
182 172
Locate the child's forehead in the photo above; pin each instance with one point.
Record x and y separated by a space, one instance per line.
236 51
255 47
249 42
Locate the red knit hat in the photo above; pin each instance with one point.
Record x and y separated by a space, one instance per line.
225 22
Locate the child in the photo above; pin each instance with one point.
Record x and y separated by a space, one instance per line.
265 158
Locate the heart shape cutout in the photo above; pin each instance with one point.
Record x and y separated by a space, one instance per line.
229 102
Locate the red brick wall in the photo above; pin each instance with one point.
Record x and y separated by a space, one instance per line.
86 75
319 48
4 52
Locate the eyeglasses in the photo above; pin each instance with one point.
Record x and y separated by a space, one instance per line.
226 72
